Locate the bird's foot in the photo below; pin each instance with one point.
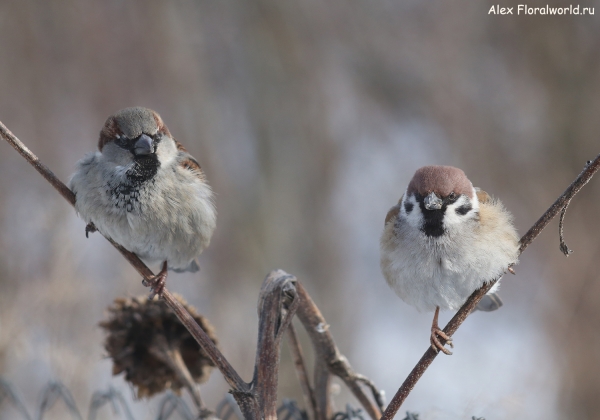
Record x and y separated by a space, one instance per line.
157 283
436 344
511 270
90 228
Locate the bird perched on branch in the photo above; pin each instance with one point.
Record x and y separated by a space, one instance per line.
146 192
444 240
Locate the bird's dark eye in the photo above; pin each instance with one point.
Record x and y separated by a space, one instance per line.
452 195
121 141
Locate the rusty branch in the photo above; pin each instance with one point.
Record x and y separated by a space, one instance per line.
590 169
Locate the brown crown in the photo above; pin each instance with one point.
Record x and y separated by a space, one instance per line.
442 180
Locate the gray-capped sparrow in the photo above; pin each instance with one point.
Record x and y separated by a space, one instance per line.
146 192
444 240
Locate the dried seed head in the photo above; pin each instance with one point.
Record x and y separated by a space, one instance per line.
141 336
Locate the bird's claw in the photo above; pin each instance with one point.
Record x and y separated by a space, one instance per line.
157 283
436 344
511 270
90 228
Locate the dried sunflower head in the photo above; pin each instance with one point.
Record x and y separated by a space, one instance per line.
147 342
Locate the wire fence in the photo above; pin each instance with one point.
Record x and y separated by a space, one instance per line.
170 406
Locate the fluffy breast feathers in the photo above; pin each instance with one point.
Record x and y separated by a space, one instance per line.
443 271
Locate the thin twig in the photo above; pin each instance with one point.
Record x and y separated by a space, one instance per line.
308 393
231 376
35 162
264 382
327 351
276 310
240 389
172 358
561 237
583 178
462 314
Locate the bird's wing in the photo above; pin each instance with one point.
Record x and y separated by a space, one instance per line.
482 196
187 162
393 212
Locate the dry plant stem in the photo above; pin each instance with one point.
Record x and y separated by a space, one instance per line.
584 177
240 389
322 377
231 376
409 383
35 162
308 393
277 305
257 400
172 357
430 354
334 361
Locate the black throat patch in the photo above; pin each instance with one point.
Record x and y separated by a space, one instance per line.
126 195
144 169
433 220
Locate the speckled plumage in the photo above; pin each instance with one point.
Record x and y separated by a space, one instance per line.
475 243
157 205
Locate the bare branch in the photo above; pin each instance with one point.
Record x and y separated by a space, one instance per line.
462 314
163 351
239 387
322 389
277 305
35 162
561 202
308 392
231 376
327 351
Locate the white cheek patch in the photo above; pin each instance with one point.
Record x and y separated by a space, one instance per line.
166 151
461 210
475 200
414 216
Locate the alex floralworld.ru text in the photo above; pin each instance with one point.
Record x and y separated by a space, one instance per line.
523 9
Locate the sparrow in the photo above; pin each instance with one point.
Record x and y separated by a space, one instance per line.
444 240
143 190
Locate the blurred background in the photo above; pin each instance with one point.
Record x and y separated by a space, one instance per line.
309 118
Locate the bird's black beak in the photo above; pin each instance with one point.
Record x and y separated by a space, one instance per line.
144 145
432 202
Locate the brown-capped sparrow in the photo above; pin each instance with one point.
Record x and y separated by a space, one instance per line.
146 192
444 240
